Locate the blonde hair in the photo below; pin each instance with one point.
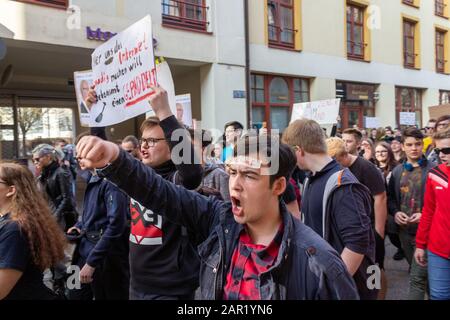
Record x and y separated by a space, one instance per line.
336 147
306 134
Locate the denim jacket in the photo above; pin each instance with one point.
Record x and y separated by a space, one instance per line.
306 268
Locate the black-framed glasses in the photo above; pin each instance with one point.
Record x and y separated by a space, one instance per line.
151 142
443 150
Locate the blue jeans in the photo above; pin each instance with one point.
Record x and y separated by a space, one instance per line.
439 277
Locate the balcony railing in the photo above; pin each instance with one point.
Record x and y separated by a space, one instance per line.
185 15
281 37
353 48
439 8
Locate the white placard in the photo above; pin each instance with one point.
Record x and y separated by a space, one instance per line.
372 123
184 109
82 82
124 73
324 111
165 80
407 118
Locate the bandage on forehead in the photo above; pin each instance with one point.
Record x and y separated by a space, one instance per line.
246 161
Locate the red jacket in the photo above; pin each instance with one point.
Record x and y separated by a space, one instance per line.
434 226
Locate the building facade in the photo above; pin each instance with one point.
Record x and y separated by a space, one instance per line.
381 57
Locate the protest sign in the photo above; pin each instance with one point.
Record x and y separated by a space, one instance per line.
165 80
439 111
82 82
324 111
184 109
407 118
124 73
371 123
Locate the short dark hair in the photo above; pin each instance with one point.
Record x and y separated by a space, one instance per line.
412 132
131 139
263 145
235 124
354 132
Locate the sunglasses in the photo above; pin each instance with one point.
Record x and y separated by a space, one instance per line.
443 150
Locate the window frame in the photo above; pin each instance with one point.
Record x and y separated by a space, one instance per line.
414 108
440 8
441 96
413 25
267 105
440 45
351 24
182 21
279 43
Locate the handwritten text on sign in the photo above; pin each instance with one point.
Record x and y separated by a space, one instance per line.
324 111
124 74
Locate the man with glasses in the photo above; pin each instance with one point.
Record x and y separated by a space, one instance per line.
163 263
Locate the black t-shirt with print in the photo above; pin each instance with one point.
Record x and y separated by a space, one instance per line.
15 254
370 176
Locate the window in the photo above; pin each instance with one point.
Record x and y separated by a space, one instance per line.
444 97
440 51
409 100
273 98
441 8
186 14
281 24
410 44
355 32
413 3
51 3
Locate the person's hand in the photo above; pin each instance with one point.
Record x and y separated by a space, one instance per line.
86 274
415 218
401 218
72 229
419 255
91 98
94 152
159 102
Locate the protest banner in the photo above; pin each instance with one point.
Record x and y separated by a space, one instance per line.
184 109
407 118
324 111
82 82
165 80
372 123
439 111
123 74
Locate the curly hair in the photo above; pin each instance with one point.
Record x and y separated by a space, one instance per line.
30 210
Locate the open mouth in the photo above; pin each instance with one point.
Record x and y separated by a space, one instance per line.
237 207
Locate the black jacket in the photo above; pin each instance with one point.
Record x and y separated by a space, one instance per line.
306 268
162 259
104 222
57 183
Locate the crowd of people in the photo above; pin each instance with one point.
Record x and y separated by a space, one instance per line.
256 216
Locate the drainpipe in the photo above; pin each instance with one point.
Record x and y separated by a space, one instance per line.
247 65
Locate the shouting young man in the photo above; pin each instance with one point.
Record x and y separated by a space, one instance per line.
252 248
